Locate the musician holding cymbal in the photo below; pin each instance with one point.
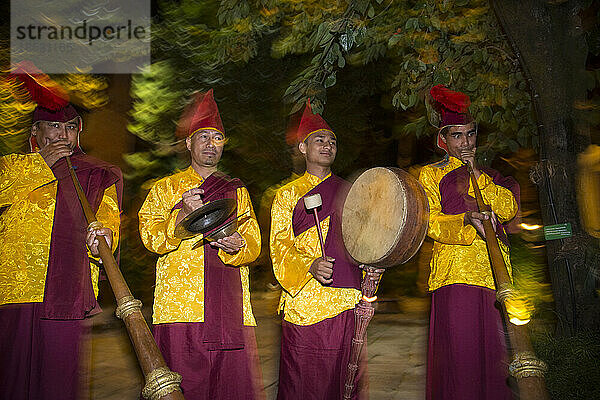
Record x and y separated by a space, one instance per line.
48 286
467 356
319 293
202 318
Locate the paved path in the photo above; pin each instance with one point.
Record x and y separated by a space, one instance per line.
397 343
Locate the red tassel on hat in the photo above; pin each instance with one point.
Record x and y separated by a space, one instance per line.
450 100
43 90
452 107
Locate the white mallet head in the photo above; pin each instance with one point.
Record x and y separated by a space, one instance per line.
314 201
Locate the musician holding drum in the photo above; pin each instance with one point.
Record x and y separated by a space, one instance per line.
48 286
319 293
202 318
467 351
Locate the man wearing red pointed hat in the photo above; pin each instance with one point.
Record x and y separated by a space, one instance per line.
319 294
202 319
48 286
467 352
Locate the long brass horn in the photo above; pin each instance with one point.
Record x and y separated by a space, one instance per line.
161 383
525 367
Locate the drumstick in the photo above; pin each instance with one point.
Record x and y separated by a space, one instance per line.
312 203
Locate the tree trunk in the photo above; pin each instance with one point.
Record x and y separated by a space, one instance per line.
548 41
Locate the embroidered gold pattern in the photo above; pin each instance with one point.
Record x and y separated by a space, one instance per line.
304 301
28 188
460 255
179 291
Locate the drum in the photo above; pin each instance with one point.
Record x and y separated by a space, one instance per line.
385 217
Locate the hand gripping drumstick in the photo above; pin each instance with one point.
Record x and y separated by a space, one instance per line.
312 203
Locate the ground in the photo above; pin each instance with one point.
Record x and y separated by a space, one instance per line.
397 339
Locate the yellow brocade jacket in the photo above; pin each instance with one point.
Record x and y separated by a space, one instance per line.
179 291
459 253
28 194
304 300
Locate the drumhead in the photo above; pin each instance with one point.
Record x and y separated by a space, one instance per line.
385 216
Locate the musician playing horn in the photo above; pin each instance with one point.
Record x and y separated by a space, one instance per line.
318 294
467 352
48 286
202 317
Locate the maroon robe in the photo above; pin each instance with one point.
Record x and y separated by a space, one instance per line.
41 343
217 358
314 358
466 357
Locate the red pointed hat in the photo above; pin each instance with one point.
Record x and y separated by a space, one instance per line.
203 114
450 108
52 100
310 123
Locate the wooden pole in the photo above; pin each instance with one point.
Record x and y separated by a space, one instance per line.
161 383
321 241
313 202
525 367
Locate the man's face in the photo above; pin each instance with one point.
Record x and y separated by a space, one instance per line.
460 138
320 148
47 132
206 147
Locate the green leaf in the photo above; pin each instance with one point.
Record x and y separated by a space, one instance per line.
330 81
290 89
496 118
487 114
327 37
513 145
345 42
485 56
371 12
395 38
411 24
473 85
396 99
297 107
317 107
412 99
341 61
361 5
335 50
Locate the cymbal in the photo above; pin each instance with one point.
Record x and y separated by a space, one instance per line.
205 218
227 229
